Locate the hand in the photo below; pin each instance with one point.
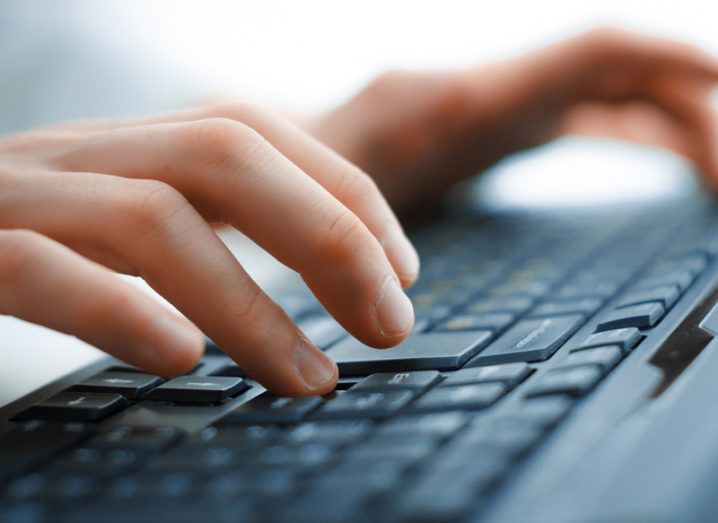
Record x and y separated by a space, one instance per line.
136 197
418 133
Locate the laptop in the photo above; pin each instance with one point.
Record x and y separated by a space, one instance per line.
563 368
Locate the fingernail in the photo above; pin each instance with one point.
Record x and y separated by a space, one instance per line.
403 255
315 367
393 309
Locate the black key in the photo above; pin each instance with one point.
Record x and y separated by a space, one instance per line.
468 322
130 384
442 424
585 306
34 442
433 350
417 381
530 340
76 406
138 439
666 295
331 432
515 305
510 373
510 436
231 370
271 409
543 411
626 339
604 357
324 331
574 381
197 389
94 462
642 316
368 404
464 397
408 449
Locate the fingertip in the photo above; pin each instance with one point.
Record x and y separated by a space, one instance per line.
318 372
403 257
175 347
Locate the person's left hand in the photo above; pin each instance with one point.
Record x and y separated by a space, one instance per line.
418 133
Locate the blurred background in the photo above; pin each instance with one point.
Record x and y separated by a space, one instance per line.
100 58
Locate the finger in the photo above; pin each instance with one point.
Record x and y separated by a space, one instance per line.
153 228
352 187
45 283
224 164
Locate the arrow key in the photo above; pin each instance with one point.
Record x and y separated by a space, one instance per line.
197 389
131 385
76 406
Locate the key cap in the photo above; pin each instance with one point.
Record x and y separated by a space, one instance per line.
35 442
599 289
509 436
323 330
545 411
493 322
364 404
516 305
464 397
231 370
604 357
266 409
331 432
574 381
642 316
428 351
418 381
584 306
510 374
626 339
666 295
197 389
442 424
378 449
140 440
131 385
680 278
529 340
76 406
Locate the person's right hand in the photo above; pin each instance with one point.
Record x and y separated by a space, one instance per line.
136 197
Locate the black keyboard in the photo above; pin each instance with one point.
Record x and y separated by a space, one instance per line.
519 320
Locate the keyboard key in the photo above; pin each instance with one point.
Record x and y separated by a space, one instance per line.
32 443
642 316
196 389
584 306
428 351
231 370
510 374
331 432
680 278
138 439
323 330
599 289
530 340
466 322
626 339
574 381
604 357
76 406
666 295
408 449
350 405
544 411
511 437
131 385
417 381
464 397
442 424
516 305
270 409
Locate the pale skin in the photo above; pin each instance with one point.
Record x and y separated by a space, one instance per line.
138 196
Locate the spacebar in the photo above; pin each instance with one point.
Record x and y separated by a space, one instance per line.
529 340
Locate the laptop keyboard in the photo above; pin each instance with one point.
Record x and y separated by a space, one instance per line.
431 430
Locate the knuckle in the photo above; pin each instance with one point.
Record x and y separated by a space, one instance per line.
223 142
18 249
152 206
355 185
343 238
248 309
